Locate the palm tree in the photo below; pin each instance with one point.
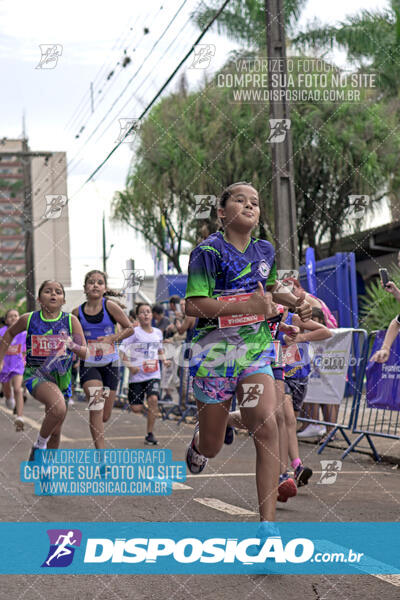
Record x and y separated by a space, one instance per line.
244 20
372 42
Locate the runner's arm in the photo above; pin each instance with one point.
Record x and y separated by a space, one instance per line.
78 346
316 332
122 319
392 332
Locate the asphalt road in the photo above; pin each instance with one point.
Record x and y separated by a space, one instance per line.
363 491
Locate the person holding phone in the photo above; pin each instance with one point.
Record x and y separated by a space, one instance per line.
392 332
389 285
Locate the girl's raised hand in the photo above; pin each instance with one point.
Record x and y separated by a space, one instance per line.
260 302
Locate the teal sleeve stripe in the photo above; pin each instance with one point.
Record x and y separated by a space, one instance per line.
210 248
272 275
28 321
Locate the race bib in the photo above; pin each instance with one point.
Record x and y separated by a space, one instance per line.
237 320
46 345
99 349
150 366
14 350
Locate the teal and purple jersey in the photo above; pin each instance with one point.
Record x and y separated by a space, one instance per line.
222 348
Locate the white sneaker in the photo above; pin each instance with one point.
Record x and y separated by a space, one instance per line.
10 403
312 431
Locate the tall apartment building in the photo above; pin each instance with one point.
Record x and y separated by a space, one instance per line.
38 176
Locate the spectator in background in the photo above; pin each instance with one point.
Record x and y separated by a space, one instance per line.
174 308
132 317
297 290
159 320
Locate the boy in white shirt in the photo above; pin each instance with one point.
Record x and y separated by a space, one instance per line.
141 353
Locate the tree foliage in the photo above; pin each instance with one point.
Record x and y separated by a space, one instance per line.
198 143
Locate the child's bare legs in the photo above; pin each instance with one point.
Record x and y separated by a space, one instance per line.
260 420
50 395
55 438
96 417
152 404
7 391
212 426
290 421
330 413
16 383
281 422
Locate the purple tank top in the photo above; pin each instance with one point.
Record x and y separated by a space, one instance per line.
13 360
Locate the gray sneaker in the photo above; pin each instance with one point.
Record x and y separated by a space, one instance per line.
195 461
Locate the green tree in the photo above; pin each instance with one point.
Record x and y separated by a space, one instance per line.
371 39
198 143
244 20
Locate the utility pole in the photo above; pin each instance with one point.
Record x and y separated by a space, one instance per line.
286 244
26 156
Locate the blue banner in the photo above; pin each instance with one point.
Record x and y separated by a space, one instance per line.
311 269
199 548
383 378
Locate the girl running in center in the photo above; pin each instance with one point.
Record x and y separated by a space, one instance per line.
13 370
233 349
98 317
52 338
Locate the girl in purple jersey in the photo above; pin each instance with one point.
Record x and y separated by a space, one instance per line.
99 373
13 369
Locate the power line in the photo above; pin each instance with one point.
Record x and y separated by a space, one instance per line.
109 110
199 38
157 95
134 75
106 66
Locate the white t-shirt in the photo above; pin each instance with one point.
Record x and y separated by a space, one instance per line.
141 350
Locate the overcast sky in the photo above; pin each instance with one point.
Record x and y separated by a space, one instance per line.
56 101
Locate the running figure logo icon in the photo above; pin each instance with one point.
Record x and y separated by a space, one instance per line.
203 54
330 470
357 206
133 280
97 397
50 54
282 274
204 205
54 205
251 394
279 129
62 547
128 129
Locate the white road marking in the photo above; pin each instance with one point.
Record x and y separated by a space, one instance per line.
253 474
224 506
132 437
176 485
393 579
34 424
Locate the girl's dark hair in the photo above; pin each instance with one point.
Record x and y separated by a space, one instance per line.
319 314
49 281
227 193
140 304
109 293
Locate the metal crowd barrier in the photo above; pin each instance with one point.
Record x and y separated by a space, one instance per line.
379 422
349 404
